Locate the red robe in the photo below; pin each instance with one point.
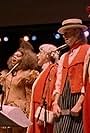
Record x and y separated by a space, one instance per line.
46 80
86 110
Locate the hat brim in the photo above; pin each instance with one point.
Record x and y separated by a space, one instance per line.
63 28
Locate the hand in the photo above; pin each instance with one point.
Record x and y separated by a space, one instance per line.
40 123
2 79
76 109
56 110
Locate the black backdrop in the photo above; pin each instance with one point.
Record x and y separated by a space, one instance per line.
42 17
27 12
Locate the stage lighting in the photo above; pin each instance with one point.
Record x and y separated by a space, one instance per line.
34 38
57 36
26 38
86 33
5 38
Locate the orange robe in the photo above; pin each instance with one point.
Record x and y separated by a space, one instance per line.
47 79
86 110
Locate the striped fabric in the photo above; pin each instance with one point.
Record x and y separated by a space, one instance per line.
68 123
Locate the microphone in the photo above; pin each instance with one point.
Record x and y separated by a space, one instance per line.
12 69
60 47
58 51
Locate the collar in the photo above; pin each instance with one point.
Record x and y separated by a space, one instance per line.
75 46
46 65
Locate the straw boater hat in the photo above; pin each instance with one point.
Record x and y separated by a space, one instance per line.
48 48
72 23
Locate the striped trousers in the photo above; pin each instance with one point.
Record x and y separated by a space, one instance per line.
68 123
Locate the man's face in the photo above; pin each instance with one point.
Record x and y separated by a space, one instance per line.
71 36
42 57
17 57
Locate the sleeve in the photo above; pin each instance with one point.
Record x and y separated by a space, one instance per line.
59 75
31 77
86 69
3 74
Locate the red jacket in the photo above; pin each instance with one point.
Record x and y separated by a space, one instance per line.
45 82
74 70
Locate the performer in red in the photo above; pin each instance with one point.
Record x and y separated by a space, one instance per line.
43 87
71 91
86 105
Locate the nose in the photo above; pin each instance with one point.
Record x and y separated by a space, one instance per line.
14 56
38 54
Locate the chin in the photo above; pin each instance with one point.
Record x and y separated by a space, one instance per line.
14 63
39 64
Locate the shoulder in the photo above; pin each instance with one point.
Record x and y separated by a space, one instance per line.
33 73
53 68
60 61
85 46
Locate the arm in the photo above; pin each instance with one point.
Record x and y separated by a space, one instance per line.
56 93
86 69
86 73
3 77
56 108
2 87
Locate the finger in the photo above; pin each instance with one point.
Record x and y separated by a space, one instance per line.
57 114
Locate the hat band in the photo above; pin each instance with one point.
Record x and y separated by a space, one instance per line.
71 24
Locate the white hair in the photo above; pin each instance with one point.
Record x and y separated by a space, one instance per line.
50 49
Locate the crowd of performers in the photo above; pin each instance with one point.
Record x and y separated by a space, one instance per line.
51 89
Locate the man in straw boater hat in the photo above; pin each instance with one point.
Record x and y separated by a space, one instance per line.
18 79
42 90
71 90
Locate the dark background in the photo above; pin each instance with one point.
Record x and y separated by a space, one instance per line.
36 17
27 12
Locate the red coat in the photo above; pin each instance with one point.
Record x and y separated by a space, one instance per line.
46 80
86 110
74 70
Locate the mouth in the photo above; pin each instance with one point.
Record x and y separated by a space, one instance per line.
14 60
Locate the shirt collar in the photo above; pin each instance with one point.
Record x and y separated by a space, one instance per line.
46 65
